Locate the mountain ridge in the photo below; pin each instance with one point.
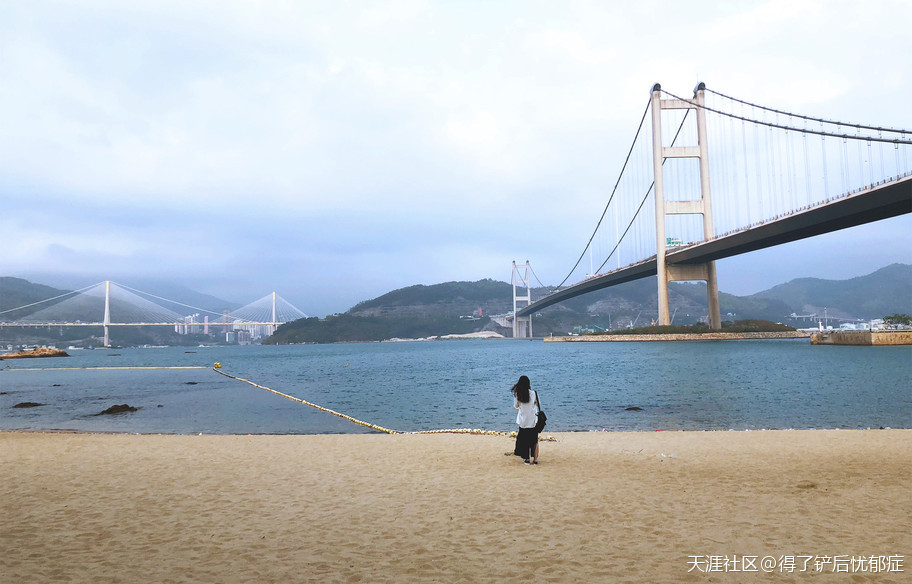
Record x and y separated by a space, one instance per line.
437 309
453 307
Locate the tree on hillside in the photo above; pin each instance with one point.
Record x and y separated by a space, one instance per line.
898 320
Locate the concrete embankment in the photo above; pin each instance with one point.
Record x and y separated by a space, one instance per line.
720 336
868 338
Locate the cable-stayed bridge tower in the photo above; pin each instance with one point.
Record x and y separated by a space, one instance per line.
109 304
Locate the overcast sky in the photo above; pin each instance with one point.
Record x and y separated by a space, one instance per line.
334 151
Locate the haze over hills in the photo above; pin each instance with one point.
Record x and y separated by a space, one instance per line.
453 307
15 292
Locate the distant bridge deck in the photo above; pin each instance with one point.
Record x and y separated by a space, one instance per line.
882 201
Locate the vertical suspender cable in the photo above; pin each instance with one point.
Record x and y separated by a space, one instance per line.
861 164
870 163
844 164
807 167
744 161
793 168
883 172
826 180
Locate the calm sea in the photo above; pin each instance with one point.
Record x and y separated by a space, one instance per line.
465 384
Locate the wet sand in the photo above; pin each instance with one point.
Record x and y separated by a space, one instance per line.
601 507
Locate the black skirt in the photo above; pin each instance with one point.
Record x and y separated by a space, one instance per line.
526 439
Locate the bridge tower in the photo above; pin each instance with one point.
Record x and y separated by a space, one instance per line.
680 272
522 325
274 322
107 313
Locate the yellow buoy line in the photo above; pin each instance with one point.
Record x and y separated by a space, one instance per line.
217 369
307 403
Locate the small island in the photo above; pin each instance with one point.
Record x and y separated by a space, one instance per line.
35 353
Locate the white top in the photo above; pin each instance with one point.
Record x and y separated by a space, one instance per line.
526 415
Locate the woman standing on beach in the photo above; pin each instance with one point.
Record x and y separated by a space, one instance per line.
527 408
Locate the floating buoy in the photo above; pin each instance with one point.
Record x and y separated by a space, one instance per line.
217 365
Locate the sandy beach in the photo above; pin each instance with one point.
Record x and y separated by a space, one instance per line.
601 507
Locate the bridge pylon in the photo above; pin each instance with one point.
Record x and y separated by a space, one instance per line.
107 314
668 272
522 325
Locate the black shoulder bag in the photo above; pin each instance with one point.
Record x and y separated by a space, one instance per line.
542 418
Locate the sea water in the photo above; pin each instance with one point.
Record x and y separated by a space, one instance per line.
412 386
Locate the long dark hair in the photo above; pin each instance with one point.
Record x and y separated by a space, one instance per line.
521 389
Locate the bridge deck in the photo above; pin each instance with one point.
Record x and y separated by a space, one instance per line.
871 204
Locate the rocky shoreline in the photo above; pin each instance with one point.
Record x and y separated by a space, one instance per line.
35 353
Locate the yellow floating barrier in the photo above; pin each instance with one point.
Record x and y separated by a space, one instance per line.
217 368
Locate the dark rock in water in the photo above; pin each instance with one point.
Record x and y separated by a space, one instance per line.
118 409
160 406
27 405
633 409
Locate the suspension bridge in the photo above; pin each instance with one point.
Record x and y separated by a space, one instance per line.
108 304
777 177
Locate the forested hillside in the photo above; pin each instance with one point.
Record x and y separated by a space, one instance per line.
423 311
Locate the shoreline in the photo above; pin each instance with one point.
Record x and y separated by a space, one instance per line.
605 506
709 336
545 436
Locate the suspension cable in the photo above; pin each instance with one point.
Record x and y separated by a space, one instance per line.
613 191
769 109
782 127
645 197
536 276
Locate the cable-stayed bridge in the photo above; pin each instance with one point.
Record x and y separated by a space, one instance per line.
108 304
776 177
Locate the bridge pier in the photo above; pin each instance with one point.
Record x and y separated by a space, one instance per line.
682 272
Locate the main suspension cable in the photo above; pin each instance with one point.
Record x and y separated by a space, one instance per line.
645 198
613 191
809 131
810 118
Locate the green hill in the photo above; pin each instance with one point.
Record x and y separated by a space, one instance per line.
453 307
423 311
886 291
16 292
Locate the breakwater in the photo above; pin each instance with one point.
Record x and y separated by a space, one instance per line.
719 336
866 338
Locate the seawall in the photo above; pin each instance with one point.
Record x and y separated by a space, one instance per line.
868 338
720 336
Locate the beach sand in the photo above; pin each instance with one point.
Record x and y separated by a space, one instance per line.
601 507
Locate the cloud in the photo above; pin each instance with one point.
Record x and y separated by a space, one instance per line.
348 148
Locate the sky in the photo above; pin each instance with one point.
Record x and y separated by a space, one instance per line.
334 151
